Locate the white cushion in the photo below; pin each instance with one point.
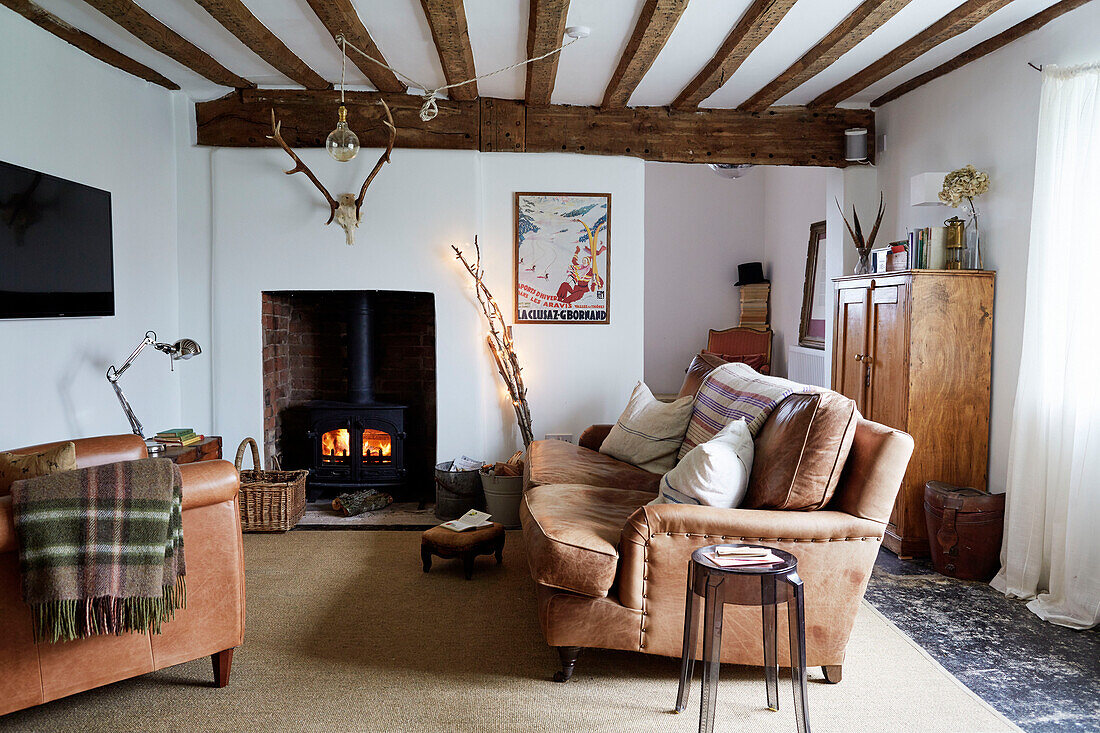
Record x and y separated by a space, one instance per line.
715 473
649 432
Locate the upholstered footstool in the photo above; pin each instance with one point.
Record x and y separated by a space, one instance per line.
467 545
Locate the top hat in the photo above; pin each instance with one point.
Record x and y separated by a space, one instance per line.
751 273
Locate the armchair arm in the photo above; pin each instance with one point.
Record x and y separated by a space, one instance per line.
660 538
208 482
594 436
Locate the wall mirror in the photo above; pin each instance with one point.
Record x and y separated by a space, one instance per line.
811 330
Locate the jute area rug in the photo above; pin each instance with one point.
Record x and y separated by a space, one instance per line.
346 633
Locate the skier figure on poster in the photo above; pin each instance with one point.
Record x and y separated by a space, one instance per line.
584 273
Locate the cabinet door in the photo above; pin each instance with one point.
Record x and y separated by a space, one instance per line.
888 357
850 344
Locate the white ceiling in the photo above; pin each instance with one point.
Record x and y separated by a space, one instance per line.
498 31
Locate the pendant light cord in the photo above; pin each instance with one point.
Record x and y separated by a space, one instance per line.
429 109
343 65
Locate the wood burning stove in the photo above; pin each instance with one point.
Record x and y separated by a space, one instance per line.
355 445
358 443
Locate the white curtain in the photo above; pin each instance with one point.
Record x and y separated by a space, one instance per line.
1051 550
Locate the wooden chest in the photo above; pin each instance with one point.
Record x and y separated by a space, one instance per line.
207 449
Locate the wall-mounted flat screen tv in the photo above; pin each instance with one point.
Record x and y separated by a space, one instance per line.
55 247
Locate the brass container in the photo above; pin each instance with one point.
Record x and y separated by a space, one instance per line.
954 243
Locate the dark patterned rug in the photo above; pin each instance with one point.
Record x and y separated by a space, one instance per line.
1044 678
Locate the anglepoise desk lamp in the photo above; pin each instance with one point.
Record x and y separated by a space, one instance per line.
182 349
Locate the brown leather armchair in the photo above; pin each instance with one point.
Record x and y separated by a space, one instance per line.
611 571
212 624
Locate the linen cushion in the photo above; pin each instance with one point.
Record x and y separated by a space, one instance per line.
800 452
701 365
17 466
734 391
558 462
572 535
715 473
649 432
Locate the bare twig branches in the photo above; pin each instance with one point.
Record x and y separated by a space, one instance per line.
499 339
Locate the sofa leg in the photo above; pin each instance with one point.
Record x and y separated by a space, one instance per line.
568 656
223 662
832 673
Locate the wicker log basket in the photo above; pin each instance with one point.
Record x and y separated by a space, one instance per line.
271 501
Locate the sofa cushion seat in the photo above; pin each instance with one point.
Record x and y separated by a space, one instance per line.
558 462
572 534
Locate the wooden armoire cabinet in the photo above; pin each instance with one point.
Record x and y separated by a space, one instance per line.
913 349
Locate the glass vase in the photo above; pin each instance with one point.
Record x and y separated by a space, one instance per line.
864 267
973 240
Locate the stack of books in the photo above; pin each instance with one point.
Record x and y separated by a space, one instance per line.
178 436
739 556
754 305
927 250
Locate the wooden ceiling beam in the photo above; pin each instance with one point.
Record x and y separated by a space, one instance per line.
859 24
86 43
779 136
239 20
961 19
654 27
1019 30
751 30
339 16
447 20
139 23
545 30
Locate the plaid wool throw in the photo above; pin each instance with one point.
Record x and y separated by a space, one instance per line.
101 548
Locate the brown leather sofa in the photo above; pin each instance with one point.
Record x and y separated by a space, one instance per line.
212 624
611 572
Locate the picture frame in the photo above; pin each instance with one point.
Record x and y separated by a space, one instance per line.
811 327
557 276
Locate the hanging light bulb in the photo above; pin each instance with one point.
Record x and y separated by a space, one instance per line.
342 144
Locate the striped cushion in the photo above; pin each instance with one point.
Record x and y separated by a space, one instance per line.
734 391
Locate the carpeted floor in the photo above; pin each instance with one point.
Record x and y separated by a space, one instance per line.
346 633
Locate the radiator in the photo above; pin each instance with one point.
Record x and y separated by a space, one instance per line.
806 366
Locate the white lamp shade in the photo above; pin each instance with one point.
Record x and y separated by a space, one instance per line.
924 189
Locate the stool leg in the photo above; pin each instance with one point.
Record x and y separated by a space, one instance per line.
712 653
426 558
796 620
499 551
771 665
468 565
691 636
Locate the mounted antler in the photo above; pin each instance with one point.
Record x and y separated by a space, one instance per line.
300 167
382 160
344 208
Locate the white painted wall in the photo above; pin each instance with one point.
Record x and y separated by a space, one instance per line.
268 234
698 228
794 198
985 113
66 114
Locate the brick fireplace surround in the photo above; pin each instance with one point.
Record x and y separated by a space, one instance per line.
305 359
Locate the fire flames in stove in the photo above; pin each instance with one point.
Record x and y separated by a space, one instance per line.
336 446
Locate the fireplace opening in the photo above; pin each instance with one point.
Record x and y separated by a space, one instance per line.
349 389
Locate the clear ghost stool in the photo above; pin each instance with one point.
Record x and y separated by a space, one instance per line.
765 586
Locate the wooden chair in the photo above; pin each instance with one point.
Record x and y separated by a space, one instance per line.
743 341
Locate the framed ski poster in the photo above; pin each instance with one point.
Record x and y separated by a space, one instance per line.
563 258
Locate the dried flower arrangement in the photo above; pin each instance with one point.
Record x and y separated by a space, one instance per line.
965 183
960 188
500 344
